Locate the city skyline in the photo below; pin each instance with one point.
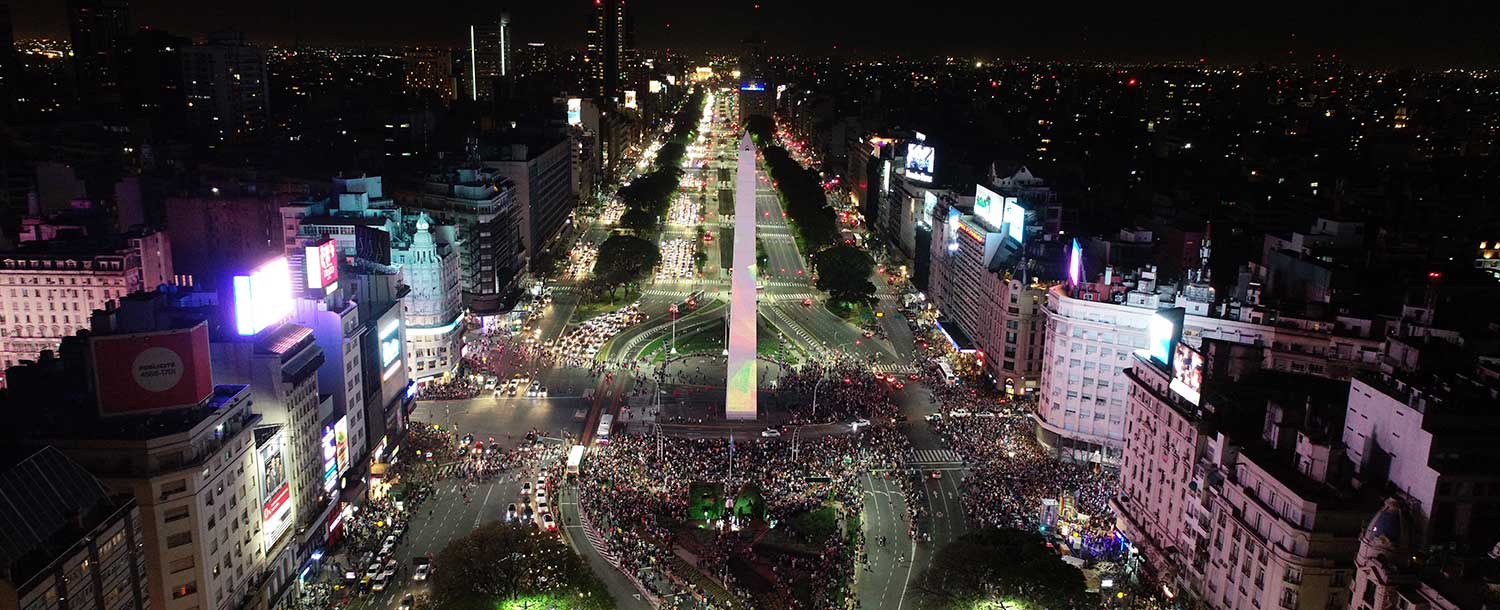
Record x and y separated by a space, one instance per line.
1387 33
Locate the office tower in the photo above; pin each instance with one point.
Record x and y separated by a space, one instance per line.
488 58
156 90
611 43
539 165
100 31
226 88
483 205
428 70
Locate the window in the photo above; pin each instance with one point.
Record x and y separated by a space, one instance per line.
185 590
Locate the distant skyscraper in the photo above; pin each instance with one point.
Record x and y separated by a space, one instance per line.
488 58
428 70
100 35
610 52
9 75
226 87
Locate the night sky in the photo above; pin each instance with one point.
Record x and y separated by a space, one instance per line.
1391 32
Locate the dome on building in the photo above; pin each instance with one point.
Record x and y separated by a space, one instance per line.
1390 528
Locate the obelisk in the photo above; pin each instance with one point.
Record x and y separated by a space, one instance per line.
739 399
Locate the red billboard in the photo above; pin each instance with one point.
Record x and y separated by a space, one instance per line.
153 371
322 262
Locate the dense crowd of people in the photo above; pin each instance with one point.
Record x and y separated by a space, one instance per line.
639 503
845 390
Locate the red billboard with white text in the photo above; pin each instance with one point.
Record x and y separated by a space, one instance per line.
154 371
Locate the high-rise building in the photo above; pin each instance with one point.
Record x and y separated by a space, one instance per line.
219 228
227 90
488 60
434 309
183 447
482 203
10 75
757 92
540 168
610 51
989 298
156 90
428 70
70 539
100 33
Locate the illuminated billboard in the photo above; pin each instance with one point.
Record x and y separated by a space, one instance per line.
654 86
341 443
262 298
390 342
330 459
671 80
1187 373
150 372
276 493
929 208
919 158
575 111
1163 332
885 177
988 207
753 87
1075 263
630 98
1015 218
322 262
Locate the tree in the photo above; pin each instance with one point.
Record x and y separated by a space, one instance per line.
624 259
502 561
1000 564
844 272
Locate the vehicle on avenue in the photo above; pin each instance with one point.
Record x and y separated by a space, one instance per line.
423 571
510 512
407 601
859 423
770 433
548 523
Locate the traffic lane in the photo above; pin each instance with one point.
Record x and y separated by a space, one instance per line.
884 583
507 420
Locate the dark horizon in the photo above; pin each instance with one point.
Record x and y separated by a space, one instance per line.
1383 33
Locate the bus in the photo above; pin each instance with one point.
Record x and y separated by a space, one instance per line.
575 459
606 422
947 371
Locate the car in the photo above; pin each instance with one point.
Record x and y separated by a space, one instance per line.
372 571
708 237
423 571
385 549
858 423
936 474
959 413
378 584
541 506
770 433
468 438
510 512
541 391
406 601
541 482
526 488
528 513
807 302
548 523
985 414
541 495
934 417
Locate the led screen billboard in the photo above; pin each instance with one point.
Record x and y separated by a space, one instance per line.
150 372
630 98
330 459
1015 218
390 342
989 207
276 493
919 162
322 262
575 111
341 443
262 298
654 86
1162 334
1187 373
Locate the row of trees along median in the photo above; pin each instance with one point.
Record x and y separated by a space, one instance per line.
647 197
843 270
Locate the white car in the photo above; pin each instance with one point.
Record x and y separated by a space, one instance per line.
422 572
959 413
525 488
858 423
541 507
770 433
548 523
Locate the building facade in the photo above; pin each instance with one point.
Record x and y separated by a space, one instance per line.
45 296
434 308
427 70
482 204
227 88
540 171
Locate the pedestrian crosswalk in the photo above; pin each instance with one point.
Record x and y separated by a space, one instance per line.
895 369
597 541
936 456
